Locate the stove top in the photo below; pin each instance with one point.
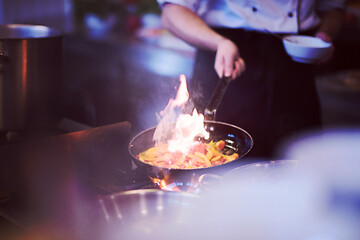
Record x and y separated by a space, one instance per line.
66 169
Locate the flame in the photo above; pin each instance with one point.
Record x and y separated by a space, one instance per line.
165 185
186 129
187 126
182 96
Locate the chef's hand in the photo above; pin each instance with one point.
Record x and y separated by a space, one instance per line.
326 38
228 61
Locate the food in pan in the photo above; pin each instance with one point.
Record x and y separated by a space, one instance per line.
201 155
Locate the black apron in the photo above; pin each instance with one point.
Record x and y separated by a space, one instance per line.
274 99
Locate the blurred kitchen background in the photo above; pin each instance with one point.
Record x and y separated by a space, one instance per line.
120 65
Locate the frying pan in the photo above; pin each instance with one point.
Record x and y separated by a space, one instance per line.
237 140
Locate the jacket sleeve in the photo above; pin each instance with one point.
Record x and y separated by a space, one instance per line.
191 4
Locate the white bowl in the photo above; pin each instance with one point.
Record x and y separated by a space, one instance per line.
305 49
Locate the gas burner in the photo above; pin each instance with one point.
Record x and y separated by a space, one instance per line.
176 186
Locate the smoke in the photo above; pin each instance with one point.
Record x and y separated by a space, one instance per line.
316 198
332 157
164 129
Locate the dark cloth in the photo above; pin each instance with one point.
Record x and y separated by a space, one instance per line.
274 99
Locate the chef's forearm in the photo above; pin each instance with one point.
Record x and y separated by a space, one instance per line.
188 26
331 22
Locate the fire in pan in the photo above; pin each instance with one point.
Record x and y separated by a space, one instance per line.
235 141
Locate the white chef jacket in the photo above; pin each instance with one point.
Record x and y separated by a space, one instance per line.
281 16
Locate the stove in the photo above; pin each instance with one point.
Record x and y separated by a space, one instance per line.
69 169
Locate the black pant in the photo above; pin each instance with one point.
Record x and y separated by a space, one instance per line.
275 98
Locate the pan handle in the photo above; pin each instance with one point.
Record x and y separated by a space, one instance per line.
218 94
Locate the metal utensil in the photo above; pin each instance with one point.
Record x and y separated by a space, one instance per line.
218 94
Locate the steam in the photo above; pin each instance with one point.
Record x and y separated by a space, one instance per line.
167 119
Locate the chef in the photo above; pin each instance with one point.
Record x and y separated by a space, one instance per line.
273 97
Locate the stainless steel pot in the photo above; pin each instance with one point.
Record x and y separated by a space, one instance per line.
137 214
272 170
30 77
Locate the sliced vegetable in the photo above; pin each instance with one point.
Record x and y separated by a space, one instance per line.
202 155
